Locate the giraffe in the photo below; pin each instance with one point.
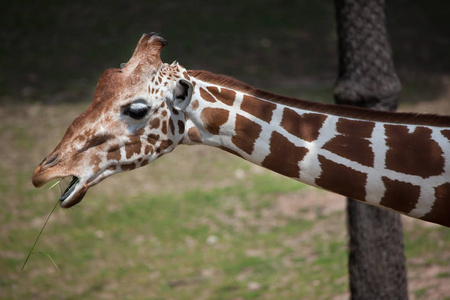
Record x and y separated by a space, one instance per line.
145 109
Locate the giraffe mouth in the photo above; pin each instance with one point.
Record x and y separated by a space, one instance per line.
73 194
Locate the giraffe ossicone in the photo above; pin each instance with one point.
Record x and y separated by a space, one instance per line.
146 108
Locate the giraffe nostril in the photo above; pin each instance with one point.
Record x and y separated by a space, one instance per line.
50 161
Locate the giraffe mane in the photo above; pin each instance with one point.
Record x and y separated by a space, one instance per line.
339 110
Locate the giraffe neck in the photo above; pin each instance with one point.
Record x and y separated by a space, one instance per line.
398 161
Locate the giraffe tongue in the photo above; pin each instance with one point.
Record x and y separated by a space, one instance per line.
69 189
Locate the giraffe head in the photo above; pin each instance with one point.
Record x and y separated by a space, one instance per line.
136 116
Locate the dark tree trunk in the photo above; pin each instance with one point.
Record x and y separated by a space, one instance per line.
367 79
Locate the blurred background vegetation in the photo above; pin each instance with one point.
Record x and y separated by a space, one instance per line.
54 51
198 223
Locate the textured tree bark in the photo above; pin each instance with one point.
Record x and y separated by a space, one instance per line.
367 79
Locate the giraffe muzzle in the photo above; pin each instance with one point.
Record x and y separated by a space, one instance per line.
45 171
48 170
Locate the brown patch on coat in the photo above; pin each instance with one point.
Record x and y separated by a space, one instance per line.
153 138
246 134
304 126
128 167
440 212
180 127
206 96
446 133
172 126
164 145
341 179
353 148
359 128
95 163
194 135
413 153
400 196
214 90
225 95
194 104
352 141
213 118
155 123
132 148
164 127
148 149
145 162
140 131
262 110
284 156
228 96
114 153
88 138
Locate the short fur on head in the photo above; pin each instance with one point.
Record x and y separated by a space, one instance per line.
136 116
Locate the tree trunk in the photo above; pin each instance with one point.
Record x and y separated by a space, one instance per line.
367 79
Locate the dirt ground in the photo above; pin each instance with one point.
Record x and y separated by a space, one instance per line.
422 276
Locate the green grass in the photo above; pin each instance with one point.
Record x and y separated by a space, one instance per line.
162 236
427 240
421 292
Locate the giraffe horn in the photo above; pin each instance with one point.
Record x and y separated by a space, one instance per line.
147 51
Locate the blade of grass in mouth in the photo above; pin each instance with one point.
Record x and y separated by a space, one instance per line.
37 238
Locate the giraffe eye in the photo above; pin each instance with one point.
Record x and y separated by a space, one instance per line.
136 110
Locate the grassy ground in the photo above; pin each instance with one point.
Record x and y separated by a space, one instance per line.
198 223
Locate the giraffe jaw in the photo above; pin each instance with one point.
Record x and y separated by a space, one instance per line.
74 193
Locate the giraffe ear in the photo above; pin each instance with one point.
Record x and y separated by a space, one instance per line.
182 94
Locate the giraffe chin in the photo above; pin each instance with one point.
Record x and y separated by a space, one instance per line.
73 194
